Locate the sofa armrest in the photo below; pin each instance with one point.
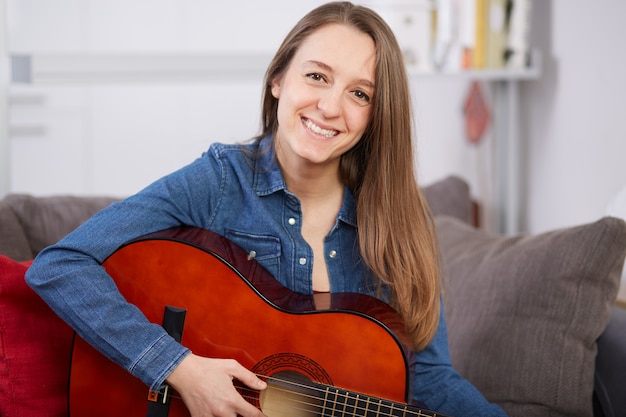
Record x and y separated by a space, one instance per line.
610 374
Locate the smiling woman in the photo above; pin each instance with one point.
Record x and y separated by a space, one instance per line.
325 199
323 111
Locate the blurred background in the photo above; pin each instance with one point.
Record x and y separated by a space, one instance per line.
101 97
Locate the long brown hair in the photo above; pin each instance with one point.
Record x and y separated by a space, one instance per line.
395 231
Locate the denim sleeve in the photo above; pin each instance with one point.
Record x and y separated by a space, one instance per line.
440 387
69 277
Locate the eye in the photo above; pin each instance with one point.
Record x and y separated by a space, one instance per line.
316 76
361 96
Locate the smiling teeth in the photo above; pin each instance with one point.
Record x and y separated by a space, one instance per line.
315 128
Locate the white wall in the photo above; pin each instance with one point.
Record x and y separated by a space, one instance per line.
119 137
576 113
5 168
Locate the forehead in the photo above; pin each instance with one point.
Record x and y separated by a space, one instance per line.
343 48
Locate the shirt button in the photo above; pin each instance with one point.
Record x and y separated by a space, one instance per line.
332 253
302 261
291 221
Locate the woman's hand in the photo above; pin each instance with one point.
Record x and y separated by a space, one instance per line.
206 386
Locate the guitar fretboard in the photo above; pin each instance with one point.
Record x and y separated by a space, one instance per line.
336 402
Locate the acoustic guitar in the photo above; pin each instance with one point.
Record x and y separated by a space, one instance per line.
321 355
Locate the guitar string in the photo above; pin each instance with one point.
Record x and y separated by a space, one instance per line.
316 402
338 394
344 410
402 410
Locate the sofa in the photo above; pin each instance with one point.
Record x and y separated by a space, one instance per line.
532 319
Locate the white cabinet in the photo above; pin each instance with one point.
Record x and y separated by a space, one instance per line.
48 150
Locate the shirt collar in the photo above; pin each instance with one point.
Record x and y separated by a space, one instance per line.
268 177
347 213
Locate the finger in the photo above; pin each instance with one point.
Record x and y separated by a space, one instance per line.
249 410
248 378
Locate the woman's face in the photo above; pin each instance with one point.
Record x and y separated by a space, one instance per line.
324 96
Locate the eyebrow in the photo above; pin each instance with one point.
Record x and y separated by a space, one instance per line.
327 67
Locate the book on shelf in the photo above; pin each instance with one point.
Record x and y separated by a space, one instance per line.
517 53
411 21
496 33
481 34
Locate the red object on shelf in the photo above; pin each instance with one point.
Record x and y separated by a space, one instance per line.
477 114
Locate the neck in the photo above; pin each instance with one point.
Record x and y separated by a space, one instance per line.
313 183
309 180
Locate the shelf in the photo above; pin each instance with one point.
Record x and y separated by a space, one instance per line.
136 68
502 74
186 68
491 74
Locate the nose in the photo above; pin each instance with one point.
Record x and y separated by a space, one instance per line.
330 102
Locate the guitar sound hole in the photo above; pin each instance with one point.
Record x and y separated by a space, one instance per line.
290 394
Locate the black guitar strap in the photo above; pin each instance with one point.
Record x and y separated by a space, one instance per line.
159 401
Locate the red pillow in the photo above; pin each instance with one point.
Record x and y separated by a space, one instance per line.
35 349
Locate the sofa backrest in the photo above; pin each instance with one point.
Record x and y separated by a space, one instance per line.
13 241
28 224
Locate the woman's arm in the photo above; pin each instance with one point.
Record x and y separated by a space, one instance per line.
70 278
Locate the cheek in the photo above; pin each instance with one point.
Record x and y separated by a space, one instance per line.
359 119
285 114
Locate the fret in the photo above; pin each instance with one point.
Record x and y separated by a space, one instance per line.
418 412
333 400
399 410
366 408
324 402
345 404
351 401
385 408
369 410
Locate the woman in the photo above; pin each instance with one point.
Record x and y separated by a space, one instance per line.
330 178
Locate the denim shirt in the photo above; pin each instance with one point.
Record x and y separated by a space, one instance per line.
246 200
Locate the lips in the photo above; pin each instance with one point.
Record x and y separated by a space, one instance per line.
329 133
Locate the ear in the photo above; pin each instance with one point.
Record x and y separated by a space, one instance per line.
276 87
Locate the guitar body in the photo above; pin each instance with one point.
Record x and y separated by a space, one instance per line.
235 309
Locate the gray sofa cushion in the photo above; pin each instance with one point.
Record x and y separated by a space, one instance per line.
450 196
13 241
510 332
45 220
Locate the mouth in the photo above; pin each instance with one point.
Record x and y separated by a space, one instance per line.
328 133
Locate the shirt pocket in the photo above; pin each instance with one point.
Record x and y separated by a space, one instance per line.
265 249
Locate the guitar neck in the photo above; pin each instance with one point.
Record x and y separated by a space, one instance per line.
287 395
336 402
